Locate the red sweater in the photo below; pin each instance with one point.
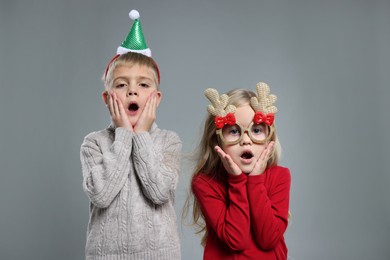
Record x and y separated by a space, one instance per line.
246 216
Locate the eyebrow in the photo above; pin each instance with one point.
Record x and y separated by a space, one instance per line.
151 79
137 78
144 78
120 77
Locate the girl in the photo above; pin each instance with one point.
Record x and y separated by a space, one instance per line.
239 190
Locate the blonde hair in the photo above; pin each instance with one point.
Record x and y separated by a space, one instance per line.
130 58
209 162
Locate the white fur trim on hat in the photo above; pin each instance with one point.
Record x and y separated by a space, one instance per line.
146 52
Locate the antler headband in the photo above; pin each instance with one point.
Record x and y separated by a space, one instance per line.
223 114
262 104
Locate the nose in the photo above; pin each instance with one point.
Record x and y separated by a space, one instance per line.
245 138
132 91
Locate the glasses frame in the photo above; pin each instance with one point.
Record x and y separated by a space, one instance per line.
271 130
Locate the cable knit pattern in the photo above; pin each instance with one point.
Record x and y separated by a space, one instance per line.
130 180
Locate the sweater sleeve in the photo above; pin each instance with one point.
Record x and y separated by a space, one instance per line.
157 164
269 208
105 172
227 215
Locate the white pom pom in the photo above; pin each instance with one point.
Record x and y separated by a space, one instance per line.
134 14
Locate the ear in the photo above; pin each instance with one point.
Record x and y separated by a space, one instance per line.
105 97
159 96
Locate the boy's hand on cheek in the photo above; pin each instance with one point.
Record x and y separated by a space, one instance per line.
117 111
261 163
148 115
230 166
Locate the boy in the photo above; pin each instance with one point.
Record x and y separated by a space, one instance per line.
130 169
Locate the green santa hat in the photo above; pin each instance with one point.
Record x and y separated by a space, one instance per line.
135 41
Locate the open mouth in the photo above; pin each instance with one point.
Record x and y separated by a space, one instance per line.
133 107
247 155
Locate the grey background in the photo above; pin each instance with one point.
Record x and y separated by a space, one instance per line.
327 61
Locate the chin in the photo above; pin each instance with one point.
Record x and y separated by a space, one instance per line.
133 121
246 169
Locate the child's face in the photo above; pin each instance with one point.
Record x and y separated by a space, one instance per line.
133 85
246 152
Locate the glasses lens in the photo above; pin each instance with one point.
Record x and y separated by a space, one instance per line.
259 132
231 133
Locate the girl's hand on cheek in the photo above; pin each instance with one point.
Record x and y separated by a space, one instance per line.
148 115
230 166
261 163
117 111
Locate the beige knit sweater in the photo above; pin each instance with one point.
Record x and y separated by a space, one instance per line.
130 179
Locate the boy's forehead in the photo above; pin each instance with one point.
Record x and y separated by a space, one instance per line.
133 66
134 70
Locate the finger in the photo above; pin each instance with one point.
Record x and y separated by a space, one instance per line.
122 111
219 151
263 158
116 107
110 104
151 104
121 108
270 145
149 113
269 150
147 109
266 155
229 160
224 157
230 166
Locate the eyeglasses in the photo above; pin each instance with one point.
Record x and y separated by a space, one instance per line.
233 134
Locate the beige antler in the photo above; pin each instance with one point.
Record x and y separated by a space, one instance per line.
218 103
264 101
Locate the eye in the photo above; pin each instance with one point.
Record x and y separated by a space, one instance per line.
121 85
258 129
144 85
234 131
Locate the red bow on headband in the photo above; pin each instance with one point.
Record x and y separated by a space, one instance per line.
262 118
221 121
